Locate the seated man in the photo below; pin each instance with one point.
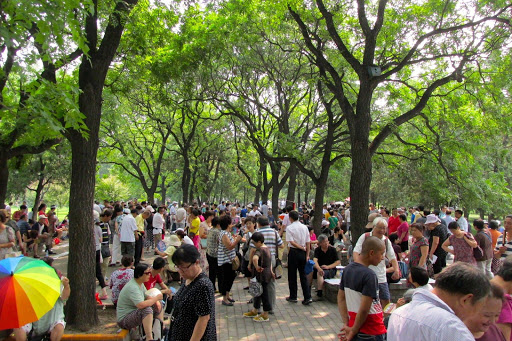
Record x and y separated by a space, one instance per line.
134 307
52 322
38 235
326 260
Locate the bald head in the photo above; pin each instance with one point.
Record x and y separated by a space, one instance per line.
372 243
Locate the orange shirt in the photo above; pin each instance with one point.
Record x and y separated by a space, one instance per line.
494 234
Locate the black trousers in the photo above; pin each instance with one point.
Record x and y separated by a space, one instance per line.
226 278
139 245
99 275
213 270
439 264
297 262
264 298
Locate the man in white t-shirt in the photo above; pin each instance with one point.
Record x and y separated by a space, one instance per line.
254 213
379 230
129 233
298 240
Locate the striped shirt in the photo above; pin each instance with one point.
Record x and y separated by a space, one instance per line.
270 239
499 244
212 242
223 254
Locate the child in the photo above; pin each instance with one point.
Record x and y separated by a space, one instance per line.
262 269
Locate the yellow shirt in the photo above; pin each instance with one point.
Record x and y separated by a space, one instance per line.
140 223
194 226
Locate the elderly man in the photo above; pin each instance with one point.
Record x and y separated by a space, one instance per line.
459 293
326 259
379 230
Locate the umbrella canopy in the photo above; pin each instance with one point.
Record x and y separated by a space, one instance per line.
29 289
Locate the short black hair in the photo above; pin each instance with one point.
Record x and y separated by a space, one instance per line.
453 225
185 254
403 217
419 275
140 269
393 237
134 210
23 207
263 221
463 279
505 271
421 207
127 260
224 222
106 213
459 212
208 214
215 221
251 219
419 227
258 237
479 224
493 224
158 263
293 215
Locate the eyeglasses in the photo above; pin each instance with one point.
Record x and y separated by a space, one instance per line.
183 268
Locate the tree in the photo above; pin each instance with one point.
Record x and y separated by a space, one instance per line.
93 69
409 54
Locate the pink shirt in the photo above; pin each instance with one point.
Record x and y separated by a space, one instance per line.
506 311
404 227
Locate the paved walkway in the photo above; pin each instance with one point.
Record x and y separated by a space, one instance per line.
292 321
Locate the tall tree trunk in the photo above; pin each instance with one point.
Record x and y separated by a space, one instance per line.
319 202
81 307
150 196
360 180
257 195
185 180
4 178
276 190
292 184
163 189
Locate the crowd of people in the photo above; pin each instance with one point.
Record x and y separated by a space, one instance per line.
204 247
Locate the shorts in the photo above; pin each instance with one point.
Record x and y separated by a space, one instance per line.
28 327
134 319
384 291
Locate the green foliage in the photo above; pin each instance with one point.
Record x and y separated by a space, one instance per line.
110 187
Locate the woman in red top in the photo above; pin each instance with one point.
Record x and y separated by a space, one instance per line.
393 221
403 233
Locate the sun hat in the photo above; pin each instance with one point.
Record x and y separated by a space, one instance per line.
432 218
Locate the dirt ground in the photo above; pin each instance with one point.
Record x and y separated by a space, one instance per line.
107 324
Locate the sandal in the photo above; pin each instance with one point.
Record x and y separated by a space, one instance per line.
230 304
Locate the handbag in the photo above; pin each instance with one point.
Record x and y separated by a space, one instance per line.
105 251
255 287
478 253
235 263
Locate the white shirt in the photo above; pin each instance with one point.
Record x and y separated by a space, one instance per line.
286 220
181 214
158 223
380 270
298 233
463 224
264 209
254 213
187 240
128 226
426 318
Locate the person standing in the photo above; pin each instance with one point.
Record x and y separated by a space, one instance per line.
158 225
461 221
116 242
358 295
194 303
129 233
484 240
438 235
226 254
140 220
298 239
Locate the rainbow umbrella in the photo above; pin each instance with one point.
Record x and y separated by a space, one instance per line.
29 289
